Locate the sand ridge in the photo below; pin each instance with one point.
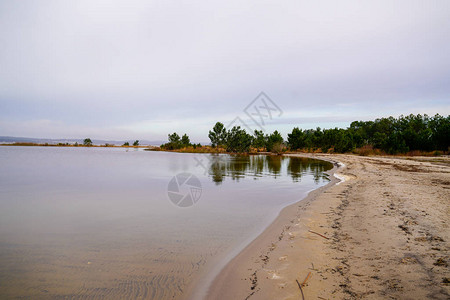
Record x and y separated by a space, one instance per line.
381 233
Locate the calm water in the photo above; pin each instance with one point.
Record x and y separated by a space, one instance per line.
100 223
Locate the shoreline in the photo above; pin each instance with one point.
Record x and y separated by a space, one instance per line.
206 149
145 147
200 288
378 237
217 287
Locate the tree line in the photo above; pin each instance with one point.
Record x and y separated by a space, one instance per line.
88 142
390 135
177 142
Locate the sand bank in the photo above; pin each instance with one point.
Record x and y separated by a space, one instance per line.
381 233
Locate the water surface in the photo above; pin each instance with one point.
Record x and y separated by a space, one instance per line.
98 222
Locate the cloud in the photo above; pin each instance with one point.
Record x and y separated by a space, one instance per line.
123 67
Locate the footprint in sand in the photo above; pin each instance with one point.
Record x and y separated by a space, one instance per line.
273 274
282 258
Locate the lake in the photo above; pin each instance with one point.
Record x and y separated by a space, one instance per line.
126 223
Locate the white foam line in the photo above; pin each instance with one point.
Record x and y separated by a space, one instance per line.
339 176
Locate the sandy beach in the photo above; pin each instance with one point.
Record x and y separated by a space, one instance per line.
383 232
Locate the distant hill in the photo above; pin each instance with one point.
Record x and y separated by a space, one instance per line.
13 139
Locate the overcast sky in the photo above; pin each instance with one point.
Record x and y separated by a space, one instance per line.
143 69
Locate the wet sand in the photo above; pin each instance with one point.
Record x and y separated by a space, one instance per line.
381 233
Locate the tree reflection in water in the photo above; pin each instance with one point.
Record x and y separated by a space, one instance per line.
236 167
